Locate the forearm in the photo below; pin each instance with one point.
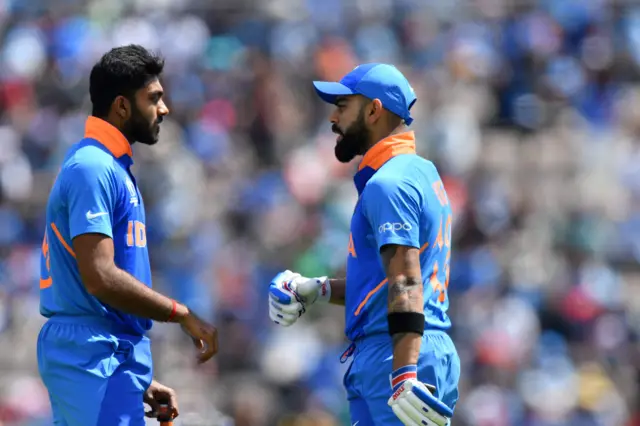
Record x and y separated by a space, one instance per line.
405 295
338 291
122 291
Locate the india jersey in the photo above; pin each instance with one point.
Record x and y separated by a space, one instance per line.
94 192
401 201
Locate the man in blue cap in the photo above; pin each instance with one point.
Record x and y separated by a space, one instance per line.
405 368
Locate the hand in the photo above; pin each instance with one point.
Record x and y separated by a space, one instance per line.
414 404
291 293
160 394
204 335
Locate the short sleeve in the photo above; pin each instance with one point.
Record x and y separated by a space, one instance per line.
90 199
393 208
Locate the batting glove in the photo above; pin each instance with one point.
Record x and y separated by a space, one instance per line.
412 401
290 294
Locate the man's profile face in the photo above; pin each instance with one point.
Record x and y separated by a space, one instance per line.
148 110
348 122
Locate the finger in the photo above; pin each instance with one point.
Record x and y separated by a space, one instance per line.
291 308
173 403
425 411
432 402
214 340
282 318
198 343
409 409
152 403
206 354
211 346
402 416
281 295
151 414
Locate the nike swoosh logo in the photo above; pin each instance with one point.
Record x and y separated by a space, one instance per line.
94 215
356 423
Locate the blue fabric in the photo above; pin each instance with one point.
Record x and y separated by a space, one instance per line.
398 205
93 193
96 375
367 380
374 81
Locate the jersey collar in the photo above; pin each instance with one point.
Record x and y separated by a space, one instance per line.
110 137
380 153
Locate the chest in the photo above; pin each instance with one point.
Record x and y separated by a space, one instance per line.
130 214
362 242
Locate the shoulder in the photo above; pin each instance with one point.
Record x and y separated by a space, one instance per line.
396 188
411 165
87 164
401 173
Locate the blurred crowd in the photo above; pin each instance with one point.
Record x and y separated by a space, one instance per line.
530 109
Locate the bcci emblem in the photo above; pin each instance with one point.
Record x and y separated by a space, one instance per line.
133 193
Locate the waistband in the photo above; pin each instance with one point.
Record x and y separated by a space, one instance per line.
377 338
104 323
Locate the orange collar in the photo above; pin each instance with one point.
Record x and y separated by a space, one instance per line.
107 135
387 148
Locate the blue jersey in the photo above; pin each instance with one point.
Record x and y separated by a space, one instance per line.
94 192
401 201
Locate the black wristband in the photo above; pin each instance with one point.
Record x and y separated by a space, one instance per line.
405 322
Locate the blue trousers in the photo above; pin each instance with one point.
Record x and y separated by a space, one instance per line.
367 379
96 375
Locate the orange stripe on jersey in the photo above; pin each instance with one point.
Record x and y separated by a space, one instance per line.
387 148
45 283
62 241
379 286
108 136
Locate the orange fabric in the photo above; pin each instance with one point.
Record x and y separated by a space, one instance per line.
108 136
62 241
379 286
387 148
45 283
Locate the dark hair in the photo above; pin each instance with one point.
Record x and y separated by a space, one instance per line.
121 72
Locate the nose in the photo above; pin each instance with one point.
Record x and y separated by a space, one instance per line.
333 118
162 108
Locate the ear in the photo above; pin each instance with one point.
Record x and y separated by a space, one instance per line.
122 107
374 111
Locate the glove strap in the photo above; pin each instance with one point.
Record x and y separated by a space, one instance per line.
324 290
402 374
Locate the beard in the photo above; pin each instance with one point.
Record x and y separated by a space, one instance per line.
139 129
353 141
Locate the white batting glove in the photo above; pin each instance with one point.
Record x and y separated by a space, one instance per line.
290 294
413 403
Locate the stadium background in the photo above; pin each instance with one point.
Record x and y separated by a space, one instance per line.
531 110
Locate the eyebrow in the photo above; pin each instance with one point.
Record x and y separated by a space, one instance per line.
156 93
341 100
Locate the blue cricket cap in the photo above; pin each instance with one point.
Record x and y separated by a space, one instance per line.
373 81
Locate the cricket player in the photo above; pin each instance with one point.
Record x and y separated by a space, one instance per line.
95 286
405 368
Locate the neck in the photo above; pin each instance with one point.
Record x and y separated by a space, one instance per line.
377 136
116 122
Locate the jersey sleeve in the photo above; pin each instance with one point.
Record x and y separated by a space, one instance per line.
393 208
90 199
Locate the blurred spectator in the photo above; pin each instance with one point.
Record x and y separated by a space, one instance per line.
529 109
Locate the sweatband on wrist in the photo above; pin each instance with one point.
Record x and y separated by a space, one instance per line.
405 322
403 374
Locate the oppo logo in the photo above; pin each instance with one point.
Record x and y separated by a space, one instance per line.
397 226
